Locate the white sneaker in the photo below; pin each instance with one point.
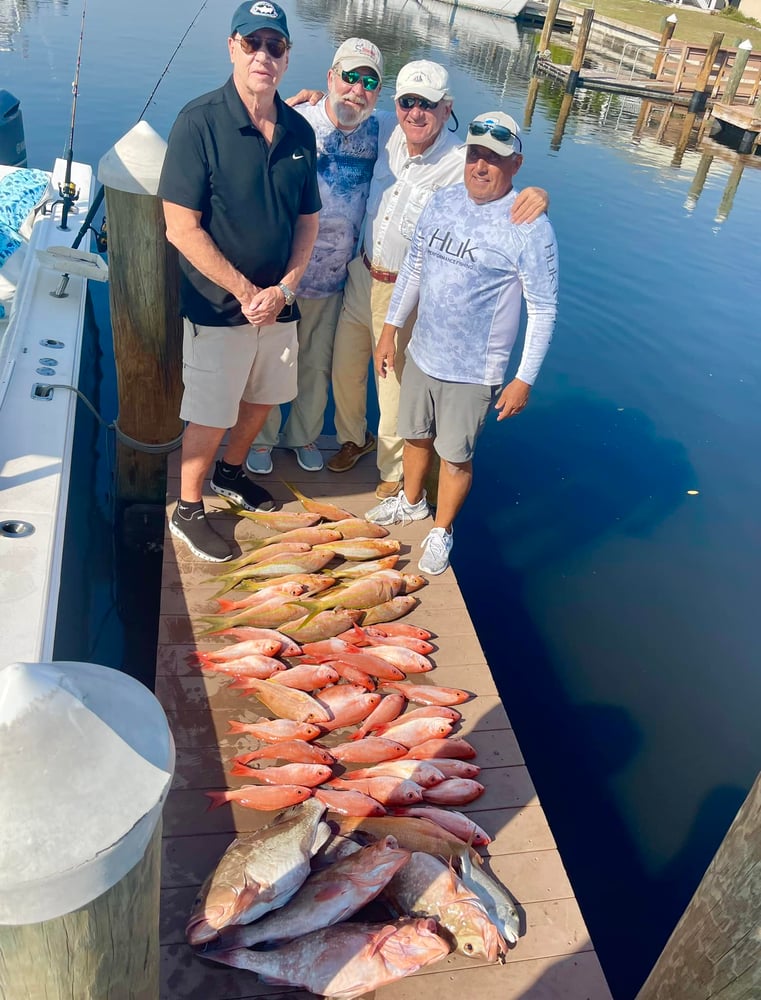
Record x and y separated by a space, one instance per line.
398 510
437 544
259 460
309 457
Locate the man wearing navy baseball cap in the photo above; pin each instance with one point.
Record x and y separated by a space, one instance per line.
241 204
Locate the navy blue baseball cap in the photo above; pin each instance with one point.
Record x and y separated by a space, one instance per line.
251 16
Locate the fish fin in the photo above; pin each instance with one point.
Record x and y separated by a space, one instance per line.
381 938
361 639
332 891
241 770
297 493
217 799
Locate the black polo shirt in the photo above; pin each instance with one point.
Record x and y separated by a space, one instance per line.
249 194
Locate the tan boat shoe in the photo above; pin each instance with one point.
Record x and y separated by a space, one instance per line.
388 488
350 454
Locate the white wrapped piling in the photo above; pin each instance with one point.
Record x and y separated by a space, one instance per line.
86 761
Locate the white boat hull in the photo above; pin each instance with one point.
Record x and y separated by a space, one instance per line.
36 435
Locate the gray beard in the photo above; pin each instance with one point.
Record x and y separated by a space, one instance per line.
348 118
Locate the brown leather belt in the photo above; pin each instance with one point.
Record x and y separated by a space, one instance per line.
389 277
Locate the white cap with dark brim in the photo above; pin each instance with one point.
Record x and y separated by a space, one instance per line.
423 79
488 140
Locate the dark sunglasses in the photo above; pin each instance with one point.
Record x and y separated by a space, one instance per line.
408 103
352 76
276 47
500 132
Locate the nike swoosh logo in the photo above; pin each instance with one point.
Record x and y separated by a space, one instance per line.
298 156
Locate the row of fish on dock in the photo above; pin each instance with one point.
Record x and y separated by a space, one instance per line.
366 783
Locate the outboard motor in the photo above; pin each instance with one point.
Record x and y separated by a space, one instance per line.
12 142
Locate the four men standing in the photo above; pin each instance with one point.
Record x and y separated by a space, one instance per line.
239 154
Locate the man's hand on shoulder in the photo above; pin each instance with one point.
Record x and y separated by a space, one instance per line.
529 205
512 399
305 97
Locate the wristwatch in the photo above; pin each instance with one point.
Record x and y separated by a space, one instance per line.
290 297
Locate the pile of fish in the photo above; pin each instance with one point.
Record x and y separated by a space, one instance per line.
367 782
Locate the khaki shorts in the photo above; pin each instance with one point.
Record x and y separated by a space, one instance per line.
452 413
222 365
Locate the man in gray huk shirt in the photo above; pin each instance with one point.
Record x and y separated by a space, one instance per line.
347 147
467 270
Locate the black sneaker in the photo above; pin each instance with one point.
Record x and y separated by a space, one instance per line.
241 490
202 540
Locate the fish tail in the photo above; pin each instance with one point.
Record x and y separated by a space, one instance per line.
240 769
297 493
361 635
225 604
217 799
236 726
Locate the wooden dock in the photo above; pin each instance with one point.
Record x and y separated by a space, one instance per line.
554 959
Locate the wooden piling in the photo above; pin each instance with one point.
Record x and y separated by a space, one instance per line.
144 289
668 31
735 77
581 47
698 183
565 109
715 950
549 23
88 954
533 91
700 94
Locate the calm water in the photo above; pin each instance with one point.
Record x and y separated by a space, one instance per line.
618 611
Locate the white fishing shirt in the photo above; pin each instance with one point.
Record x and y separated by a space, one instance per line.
467 270
345 162
401 187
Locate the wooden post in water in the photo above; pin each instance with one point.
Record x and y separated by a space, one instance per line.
700 94
666 36
698 183
565 109
728 198
549 24
738 68
715 949
144 287
581 47
533 91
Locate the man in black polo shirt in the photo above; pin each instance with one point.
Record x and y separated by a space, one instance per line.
241 205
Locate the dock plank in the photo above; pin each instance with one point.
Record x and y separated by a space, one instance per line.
553 960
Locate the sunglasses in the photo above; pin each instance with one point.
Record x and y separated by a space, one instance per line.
352 76
276 47
500 132
408 103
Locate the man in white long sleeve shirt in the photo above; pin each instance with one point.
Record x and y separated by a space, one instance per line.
417 158
467 270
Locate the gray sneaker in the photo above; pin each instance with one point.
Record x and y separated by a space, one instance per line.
437 544
308 457
259 460
398 510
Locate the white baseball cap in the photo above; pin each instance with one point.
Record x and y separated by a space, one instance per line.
481 132
424 79
357 52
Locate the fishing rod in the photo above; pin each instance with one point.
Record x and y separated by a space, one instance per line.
68 191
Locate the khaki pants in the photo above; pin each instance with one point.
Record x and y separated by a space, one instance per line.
360 324
316 331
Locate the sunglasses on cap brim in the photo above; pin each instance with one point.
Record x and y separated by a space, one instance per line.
500 132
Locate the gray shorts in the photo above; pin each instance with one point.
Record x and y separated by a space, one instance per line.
452 413
222 365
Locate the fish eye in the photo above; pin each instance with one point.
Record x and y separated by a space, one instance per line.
468 948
